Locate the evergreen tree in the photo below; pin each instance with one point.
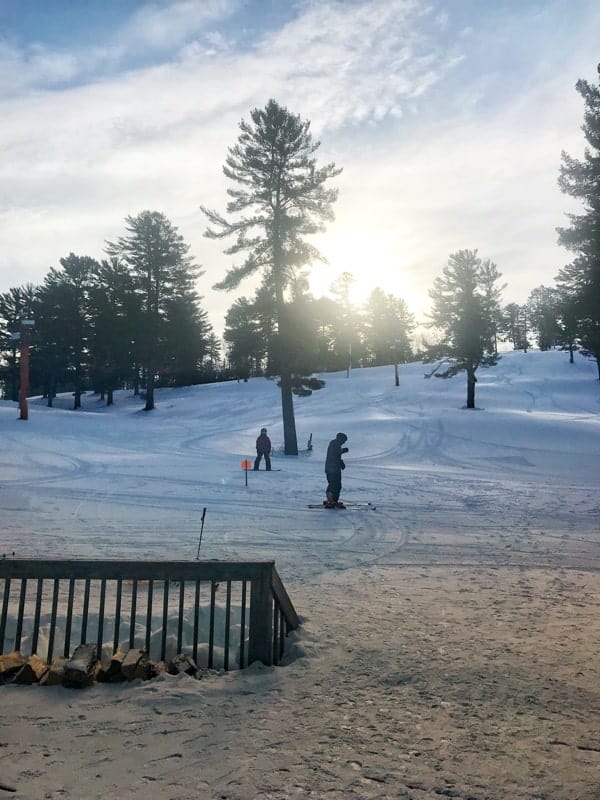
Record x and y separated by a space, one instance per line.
244 335
388 326
461 312
493 293
581 179
63 324
16 304
568 322
116 318
347 339
325 311
279 198
543 312
164 274
514 326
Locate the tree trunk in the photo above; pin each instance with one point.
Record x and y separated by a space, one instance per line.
396 377
51 390
290 442
109 396
471 381
149 390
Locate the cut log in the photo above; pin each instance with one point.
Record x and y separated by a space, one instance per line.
10 664
136 664
80 669
56 672
31 672
114 672
182 663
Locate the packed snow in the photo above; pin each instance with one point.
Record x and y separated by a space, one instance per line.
512 483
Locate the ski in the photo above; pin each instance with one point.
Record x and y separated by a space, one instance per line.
349 505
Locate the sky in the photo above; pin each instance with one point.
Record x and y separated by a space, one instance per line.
485 527
447 118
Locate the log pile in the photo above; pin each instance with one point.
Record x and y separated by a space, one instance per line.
84 667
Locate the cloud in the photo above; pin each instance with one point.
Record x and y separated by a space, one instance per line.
155 31
437 153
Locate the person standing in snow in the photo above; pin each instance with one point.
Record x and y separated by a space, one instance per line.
334 465
263 448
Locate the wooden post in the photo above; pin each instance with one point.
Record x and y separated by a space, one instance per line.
261 618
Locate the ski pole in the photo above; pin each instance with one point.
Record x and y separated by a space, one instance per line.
201 529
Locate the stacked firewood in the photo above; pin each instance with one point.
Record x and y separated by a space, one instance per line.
84 667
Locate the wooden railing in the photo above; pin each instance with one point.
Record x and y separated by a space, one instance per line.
223 613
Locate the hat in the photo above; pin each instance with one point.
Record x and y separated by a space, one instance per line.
263 430
341 437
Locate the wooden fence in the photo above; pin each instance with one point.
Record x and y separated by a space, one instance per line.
223 613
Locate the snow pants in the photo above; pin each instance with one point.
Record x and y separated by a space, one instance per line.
334 483
267 460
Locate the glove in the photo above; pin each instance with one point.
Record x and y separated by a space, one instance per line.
342 465
344 449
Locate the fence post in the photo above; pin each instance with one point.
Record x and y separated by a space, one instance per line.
260 645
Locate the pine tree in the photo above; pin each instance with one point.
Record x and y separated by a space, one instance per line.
164 273
279 199
388 326
63 323
461 312
543 313
581 179
16 304
116 318
514 326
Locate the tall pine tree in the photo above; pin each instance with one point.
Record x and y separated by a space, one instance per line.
462 312
164 274
580 280
278 198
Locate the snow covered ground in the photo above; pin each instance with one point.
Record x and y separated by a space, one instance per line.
464 498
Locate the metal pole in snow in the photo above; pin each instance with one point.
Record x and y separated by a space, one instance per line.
201 529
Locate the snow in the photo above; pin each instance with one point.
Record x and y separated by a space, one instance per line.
511 485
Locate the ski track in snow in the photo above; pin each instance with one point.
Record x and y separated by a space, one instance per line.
117 482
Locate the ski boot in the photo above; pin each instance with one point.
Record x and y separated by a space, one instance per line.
330 502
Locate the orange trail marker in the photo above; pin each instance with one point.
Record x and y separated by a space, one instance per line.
246 464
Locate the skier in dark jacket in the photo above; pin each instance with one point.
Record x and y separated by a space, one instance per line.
334 465
263 448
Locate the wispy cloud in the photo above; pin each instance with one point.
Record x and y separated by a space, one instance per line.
154 33
409 97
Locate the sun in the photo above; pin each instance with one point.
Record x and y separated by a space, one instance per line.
371 256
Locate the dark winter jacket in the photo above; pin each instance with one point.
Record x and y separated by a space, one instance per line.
263 444
333 461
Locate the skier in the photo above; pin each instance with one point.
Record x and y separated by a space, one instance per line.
263 448
334 465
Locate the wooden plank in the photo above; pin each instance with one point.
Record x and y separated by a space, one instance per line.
261 619
242 656
55 592
131 570
289 612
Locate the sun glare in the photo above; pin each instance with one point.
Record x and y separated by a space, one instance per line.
371 257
